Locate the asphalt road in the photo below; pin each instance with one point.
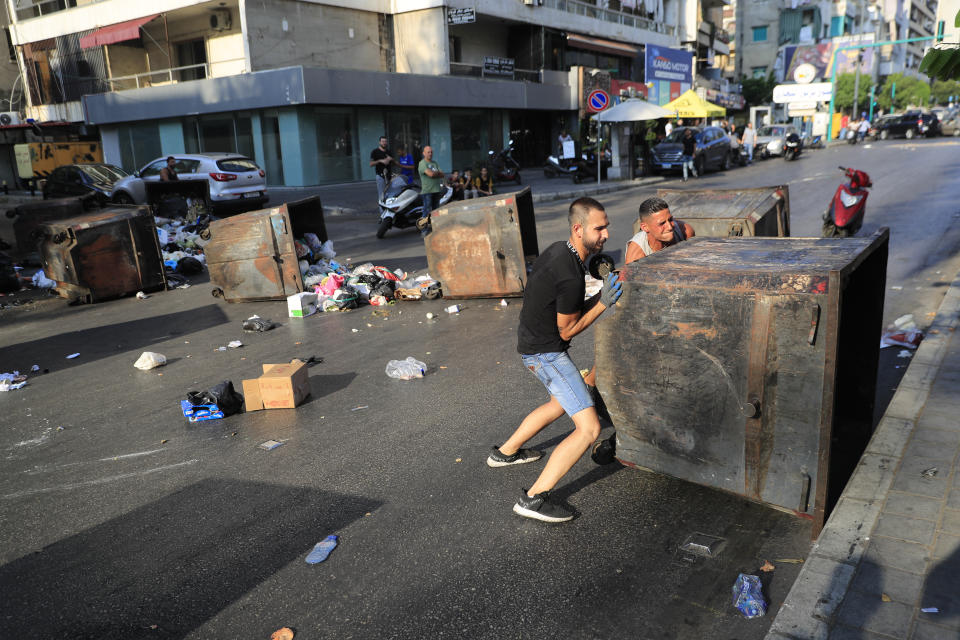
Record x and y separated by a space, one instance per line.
119 519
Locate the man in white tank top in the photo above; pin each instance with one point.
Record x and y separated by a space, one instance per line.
658 230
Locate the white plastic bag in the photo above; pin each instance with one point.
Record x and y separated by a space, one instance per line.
326 250
41 281
150 360
406 369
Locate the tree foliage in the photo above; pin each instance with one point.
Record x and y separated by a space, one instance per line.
942 61
758 91
943 90
910 92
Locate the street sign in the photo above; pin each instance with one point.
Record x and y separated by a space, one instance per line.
494 66
461 15
597 101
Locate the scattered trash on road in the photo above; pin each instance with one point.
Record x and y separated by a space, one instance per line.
360 407
35 368
282 386
503 302
283 633
454 308
930 610
747 596
430 316
72 356
219 401
256 323
234 344
905 353
767 566
929 473
150 360
270 445
322 549
905 322
885 598
406 369
141 295
41 281
896 287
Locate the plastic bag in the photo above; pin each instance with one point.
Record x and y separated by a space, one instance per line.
256 323
41 281
748 597
326 250
223 395
406 369
312 241
331 283
189 266
150 360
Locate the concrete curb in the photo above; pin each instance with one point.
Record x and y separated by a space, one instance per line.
546 196
811 606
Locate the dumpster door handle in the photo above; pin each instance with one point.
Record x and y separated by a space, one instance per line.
814 322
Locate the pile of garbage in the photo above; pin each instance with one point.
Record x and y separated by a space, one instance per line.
339 287
181 244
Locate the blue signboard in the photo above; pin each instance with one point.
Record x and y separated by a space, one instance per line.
673 65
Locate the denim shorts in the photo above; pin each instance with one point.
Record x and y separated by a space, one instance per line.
562 379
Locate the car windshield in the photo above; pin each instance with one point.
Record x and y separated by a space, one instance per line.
677 135
104 172
237 164
771 131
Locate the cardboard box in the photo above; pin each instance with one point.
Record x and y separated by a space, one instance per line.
282 386
301 305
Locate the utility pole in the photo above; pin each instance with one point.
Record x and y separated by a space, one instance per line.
856 85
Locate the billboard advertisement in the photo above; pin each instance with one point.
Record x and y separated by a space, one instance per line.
820 57
669 65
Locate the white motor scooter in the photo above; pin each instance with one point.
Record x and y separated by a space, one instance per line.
401 205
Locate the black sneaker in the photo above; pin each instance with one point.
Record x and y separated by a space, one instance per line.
541 507
605 451
523 456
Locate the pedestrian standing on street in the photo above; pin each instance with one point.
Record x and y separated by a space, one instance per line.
431 182
381 160
658 230
553 312
404 160
749 139
668 128
689 151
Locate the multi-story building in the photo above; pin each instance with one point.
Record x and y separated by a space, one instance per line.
306 87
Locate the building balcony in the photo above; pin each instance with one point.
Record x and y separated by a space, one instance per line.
612 15
492 73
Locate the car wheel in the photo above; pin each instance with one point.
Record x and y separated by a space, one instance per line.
700 165
123 198
884 134
385 225
910 133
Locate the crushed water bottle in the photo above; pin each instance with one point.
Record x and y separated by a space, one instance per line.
406 369
748 597
322 549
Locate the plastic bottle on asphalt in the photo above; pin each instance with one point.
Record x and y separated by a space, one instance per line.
406 369
322 549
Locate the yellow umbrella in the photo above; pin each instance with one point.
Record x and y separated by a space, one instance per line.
690 105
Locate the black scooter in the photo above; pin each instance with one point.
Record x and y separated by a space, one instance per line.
504 167
792 147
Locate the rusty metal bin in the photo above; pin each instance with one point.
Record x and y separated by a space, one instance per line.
165 197
104 254
718 213
30 216
748 364
480 248
251 256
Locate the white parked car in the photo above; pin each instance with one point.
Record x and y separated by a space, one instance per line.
771 139
236 182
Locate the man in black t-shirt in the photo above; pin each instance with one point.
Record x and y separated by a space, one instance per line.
381 160
553 312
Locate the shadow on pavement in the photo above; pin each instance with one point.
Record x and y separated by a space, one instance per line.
101 342
174 563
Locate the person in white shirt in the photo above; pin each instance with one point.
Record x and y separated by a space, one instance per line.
668 128
863 128
749 139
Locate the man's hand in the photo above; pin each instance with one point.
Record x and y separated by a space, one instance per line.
611 292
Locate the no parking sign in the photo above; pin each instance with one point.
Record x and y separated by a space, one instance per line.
597 101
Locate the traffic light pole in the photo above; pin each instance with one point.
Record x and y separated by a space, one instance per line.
836 59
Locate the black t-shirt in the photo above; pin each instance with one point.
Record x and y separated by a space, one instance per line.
380 154
689 145
555 285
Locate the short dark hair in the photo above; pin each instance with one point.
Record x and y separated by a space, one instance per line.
651 205
169 158
580 210
381 138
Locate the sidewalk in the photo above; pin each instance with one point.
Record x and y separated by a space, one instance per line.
891 547
360 197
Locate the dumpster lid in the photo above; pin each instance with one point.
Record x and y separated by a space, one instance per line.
720 203
93 218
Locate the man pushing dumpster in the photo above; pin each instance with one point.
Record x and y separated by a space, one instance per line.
658 230
554 311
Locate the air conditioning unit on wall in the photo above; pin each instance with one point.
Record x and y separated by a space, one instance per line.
8 118
220 20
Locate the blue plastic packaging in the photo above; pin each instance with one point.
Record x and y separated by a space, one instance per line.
748 597
200 412
322 549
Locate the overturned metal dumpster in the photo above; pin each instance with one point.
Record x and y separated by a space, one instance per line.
748 364
480 248
252 256
30 216
102 254
719 213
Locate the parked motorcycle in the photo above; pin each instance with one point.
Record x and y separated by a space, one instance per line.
852 136
844 216
560 167
816 142
792 146
401 205
503 167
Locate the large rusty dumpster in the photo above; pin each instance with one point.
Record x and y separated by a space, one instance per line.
718 213
103 254
252 256
748 364
30 216
480 248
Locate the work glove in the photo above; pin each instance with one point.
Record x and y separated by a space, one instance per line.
612 290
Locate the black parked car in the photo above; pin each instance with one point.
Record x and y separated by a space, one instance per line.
83 179
713 150
909 125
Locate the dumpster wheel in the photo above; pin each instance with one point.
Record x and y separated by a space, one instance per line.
217 293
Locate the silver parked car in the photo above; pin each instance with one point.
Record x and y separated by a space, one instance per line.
235 182
771 138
